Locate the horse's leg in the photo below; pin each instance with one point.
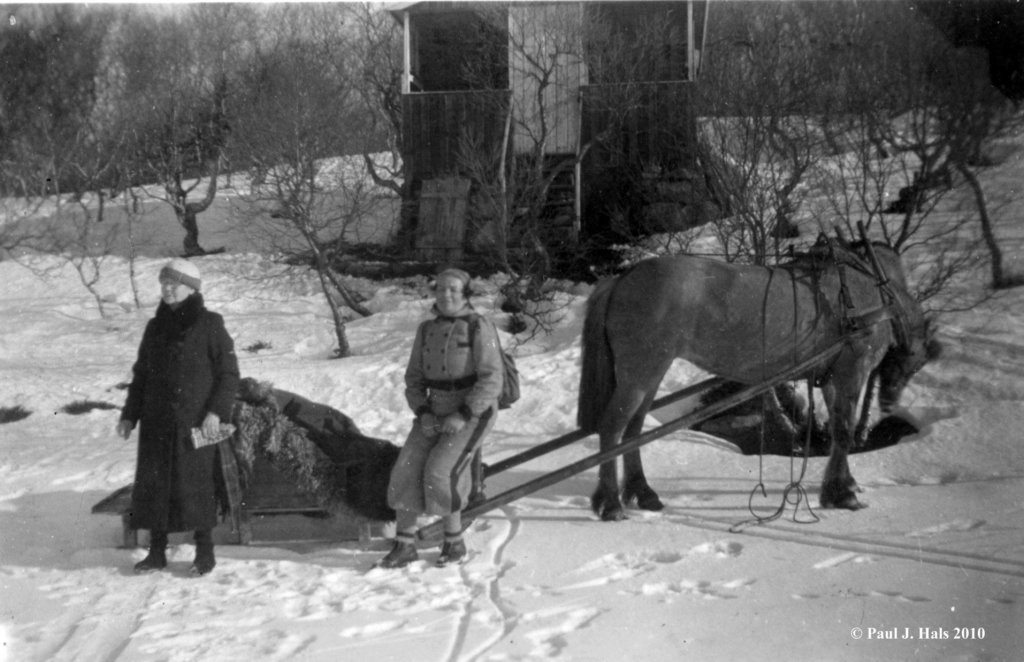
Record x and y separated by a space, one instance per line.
634 483
643 345
838 488
623 406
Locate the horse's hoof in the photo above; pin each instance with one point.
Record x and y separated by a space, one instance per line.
613 515
650 502
646 498
846 502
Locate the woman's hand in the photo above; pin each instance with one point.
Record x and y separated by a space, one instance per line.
452 423
124 428
211 425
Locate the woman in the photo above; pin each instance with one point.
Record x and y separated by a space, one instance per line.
452 384
186 376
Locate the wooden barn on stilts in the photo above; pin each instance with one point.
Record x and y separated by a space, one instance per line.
548 121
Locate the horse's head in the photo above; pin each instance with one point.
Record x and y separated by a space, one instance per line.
914 338
904 360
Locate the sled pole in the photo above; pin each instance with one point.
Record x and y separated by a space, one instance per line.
576 435
433 529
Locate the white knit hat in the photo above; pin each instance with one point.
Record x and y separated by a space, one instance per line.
182 271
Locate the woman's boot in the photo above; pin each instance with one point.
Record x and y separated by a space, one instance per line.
205 561
157 557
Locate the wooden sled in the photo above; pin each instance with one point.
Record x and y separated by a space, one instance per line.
270 494
313 432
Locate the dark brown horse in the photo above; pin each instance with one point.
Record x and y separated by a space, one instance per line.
746 324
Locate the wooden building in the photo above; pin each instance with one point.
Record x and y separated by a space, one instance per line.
583 91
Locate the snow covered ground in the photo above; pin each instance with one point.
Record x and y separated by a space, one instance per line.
932 570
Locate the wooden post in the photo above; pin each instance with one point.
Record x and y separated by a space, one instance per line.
690 50
406 54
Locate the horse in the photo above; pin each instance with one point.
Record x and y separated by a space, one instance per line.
747 323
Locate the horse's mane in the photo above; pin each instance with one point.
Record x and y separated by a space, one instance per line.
829 252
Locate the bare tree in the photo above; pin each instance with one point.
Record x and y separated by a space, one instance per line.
973 116
72 226
55 153
377 42
300 121
169 89
523 216
920 113
760 139
899 114
516 225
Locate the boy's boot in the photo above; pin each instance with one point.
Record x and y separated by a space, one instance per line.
453 551
402 553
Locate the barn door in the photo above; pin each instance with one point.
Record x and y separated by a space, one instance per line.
441 228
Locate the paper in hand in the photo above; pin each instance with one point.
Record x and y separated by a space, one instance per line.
200 439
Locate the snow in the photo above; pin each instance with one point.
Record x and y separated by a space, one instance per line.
933 569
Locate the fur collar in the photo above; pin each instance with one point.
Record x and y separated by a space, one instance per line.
178 321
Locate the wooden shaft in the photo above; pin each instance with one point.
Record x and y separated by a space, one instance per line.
433 529
576 435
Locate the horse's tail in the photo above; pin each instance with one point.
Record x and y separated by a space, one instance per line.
597 372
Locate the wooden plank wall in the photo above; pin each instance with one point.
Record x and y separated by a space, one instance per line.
436 120
537 31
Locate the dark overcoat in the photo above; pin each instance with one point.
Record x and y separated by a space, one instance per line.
186 367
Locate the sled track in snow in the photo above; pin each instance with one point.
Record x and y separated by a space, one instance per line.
487 590
804 536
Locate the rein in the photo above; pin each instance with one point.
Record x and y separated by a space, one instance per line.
825 251
794 493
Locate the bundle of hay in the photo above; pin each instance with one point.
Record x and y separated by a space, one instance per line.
784 427
317 447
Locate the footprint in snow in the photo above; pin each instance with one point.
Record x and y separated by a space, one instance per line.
371 630
723 590
963 524
720 548
897 596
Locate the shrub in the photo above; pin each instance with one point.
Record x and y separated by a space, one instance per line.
85 406
12 414
257 346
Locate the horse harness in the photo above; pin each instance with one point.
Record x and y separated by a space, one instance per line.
838 253
815 261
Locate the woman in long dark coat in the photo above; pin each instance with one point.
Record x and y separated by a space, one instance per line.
186 376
